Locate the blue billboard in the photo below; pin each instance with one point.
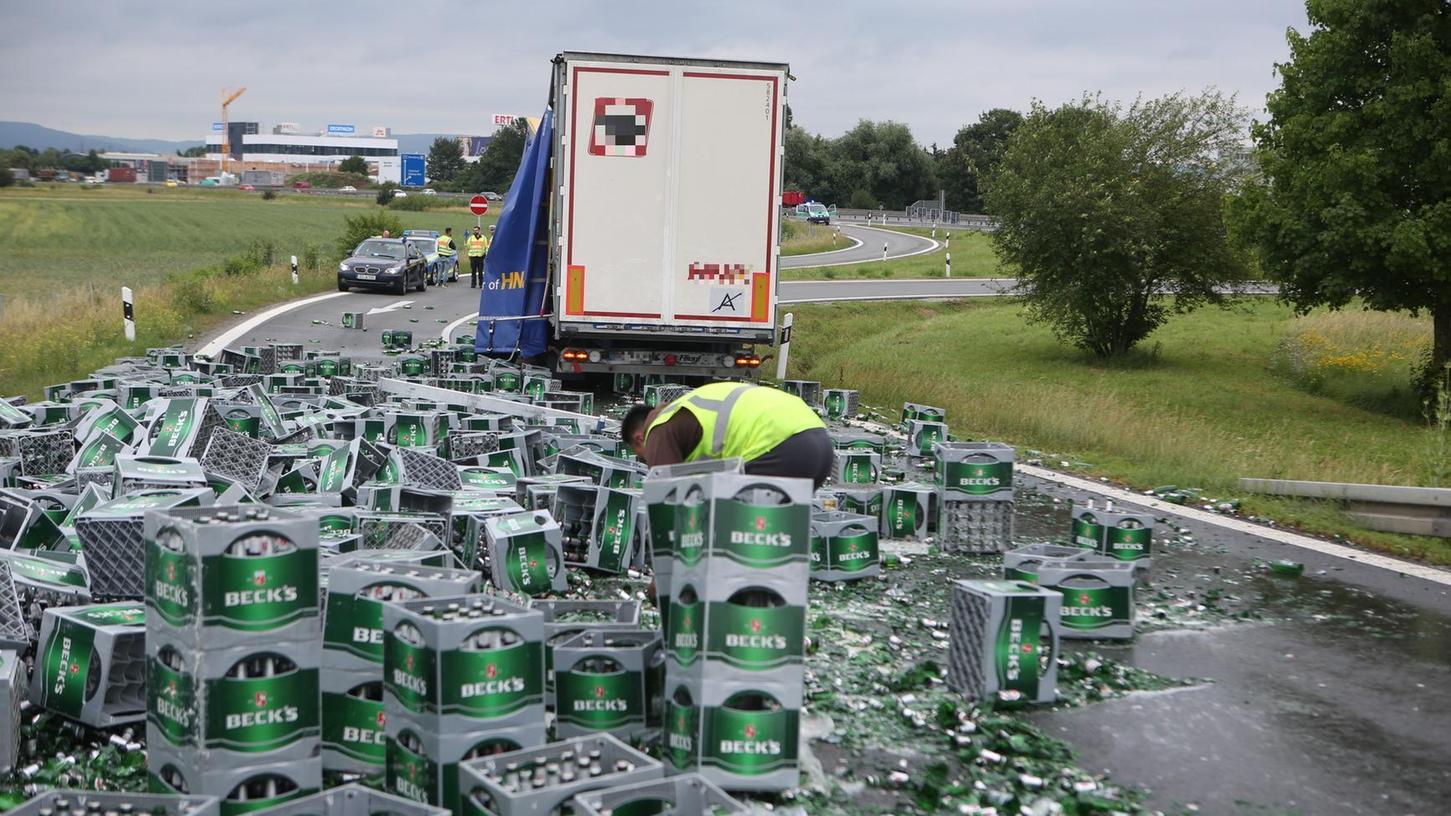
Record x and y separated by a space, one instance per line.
341 130
216 127
413 169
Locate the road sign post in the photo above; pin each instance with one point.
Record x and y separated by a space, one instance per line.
884 250
949 264
478 205
294 270
785 346
128 313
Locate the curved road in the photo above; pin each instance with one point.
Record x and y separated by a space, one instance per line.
869 248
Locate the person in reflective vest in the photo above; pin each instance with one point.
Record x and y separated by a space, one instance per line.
478 247
449 252
772 432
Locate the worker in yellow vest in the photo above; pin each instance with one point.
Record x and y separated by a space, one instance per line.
448 251
772 432
478 247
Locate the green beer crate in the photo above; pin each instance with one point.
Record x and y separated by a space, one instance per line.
616 533
526 553
841 403
401 530
237 456
853 440
25 524
565 619
864 501
397 338
469 515
490 480
494 423
352 637
93 803
113 539
1098 597
243 789
972 525
975 471
856 467
663 393
1125 536
132 474
31 583
223 577
684 794
90 663
912 411
906 510
609 681
412 365
605 471
923 435
354 800
538 781
536 385
738 737
463 663
423 766
628 384
289 375
243 705
12 694
467 445
1022 563
354 735
844 547
522 487
1004 641
808 390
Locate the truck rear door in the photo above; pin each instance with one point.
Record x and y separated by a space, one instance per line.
668 198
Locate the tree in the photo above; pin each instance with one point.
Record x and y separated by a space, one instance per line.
1115 217
973 155
385 193
445 159
359 228
883 160
494 171
356 165
810 165
194 152
7 178
1355 204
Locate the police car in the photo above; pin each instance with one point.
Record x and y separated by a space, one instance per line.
440 267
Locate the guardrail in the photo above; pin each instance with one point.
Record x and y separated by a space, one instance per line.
963 221
1388 508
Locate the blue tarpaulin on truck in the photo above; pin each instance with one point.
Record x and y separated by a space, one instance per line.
516 272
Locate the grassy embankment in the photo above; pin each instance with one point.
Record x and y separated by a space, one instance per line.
972 257
1212 397
69 250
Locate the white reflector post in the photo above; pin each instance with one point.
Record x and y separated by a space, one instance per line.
128 314
294 270
785 346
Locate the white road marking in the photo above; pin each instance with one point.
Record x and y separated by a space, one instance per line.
1422 571
390 307
933 247
221 341
450 328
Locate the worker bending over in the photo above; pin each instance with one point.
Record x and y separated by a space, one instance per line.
772 432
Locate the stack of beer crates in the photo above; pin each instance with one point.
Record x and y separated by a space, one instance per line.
974 482
735 629
233 645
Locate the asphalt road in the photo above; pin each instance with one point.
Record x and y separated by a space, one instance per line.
898 244
1322 694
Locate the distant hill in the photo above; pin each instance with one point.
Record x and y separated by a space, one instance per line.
41 137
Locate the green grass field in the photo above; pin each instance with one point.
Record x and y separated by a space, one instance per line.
802 238
972 257
58 237
1198 406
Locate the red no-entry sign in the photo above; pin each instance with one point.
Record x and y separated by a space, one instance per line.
478 205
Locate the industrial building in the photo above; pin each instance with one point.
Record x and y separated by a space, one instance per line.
288 145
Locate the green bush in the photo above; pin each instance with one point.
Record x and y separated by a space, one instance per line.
191 292
418 203
268 195
330 181
7 178
309 258
358 228
385 193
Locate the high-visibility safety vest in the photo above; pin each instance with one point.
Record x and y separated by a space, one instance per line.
478 245
740 420
445 246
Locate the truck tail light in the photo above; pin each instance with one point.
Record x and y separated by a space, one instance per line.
747 361
574 355
671 359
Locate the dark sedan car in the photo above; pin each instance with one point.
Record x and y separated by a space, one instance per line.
383 263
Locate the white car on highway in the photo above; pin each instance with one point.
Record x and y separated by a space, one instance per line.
347 188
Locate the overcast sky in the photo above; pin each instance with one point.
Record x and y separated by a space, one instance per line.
153 69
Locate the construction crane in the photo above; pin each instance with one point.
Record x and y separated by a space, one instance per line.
228 97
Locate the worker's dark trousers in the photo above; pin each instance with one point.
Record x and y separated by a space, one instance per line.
476 272
807 455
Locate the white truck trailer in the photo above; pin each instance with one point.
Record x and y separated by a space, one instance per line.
665 213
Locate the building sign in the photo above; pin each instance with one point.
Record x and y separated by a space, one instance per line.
341 130
288 127
216 127
504 119
380 133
